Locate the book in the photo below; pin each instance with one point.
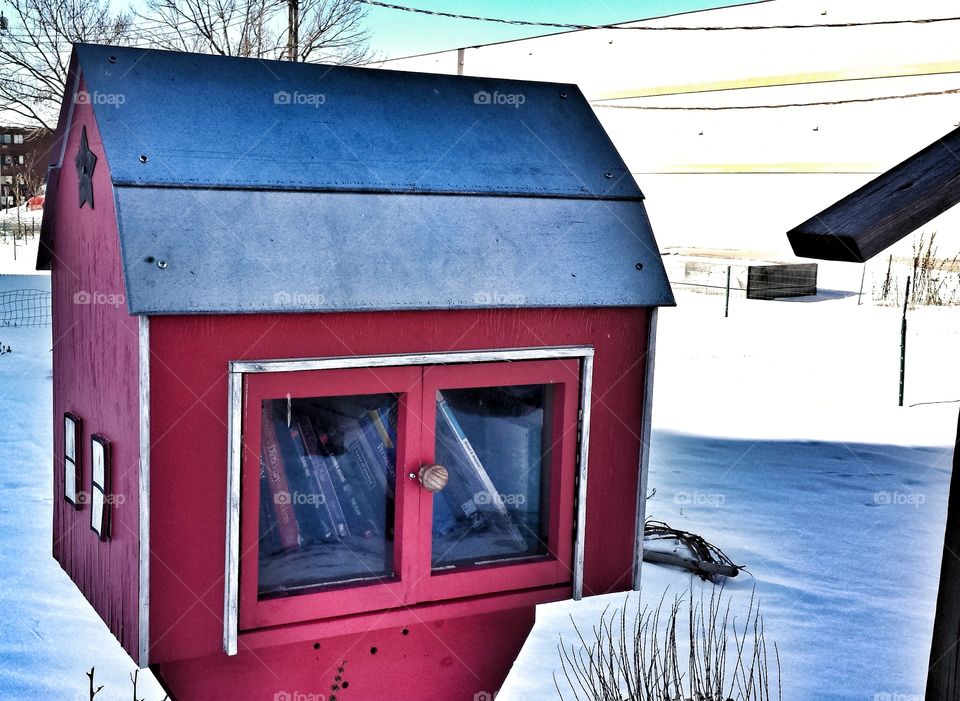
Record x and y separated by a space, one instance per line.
321 477
383 422
359 514
269 536
311 514
274 478
470 492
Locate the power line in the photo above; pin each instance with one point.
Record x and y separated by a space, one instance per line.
718 108
645 28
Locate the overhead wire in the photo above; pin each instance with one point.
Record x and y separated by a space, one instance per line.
718 108
648 28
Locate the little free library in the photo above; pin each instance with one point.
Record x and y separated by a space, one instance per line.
378 382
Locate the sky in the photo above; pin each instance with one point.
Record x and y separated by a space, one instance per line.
394 33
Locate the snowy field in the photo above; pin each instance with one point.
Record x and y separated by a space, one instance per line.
49 635
776 436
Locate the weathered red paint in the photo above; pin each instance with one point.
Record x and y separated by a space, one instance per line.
478 637
95 365
454 659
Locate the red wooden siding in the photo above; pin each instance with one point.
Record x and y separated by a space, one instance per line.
189 365
95 365
445 660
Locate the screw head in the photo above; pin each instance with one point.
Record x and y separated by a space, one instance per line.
161 264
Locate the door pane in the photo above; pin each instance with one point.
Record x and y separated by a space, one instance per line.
493 442
327 479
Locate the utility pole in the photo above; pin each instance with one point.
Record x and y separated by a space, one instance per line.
293 29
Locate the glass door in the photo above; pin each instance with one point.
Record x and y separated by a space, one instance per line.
506 435
335 526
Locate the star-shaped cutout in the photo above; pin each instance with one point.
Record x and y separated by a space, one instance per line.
86 161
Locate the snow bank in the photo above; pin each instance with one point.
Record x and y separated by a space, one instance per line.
777 437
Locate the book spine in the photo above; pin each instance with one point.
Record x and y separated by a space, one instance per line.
492 502
287 526
381 448
331 499
357 513
269 535
321 478
300 472
372 471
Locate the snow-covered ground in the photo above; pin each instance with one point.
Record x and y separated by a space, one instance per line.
777 436
49 634
20 257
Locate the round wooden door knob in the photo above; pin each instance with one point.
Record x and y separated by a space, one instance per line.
433 478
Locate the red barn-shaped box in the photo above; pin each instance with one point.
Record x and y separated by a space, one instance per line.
335 350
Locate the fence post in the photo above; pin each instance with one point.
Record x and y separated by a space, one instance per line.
726 309
903 341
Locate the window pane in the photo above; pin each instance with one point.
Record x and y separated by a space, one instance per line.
493 442
327 476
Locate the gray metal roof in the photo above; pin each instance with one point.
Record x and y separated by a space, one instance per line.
277 186
296 251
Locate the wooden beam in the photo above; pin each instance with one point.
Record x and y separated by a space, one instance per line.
887 208
943 679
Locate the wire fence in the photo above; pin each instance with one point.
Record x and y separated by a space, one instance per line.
25 308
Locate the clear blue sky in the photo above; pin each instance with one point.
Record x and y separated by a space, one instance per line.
395 33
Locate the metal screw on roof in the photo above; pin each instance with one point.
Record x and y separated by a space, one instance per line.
161 264
111 59
639 266
608 175
563 95
143 158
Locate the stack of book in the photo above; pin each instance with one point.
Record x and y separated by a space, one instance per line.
328 471
318 489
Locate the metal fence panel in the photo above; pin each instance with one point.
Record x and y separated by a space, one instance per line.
25 308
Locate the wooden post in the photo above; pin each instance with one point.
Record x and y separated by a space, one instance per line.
943 679
293 29
903 341
863 277
726 309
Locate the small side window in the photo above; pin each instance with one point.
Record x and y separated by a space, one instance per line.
72 432
100 486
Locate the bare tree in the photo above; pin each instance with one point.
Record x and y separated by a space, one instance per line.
324 30
35 52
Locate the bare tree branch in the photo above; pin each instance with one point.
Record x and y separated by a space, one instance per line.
35 51
329 30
